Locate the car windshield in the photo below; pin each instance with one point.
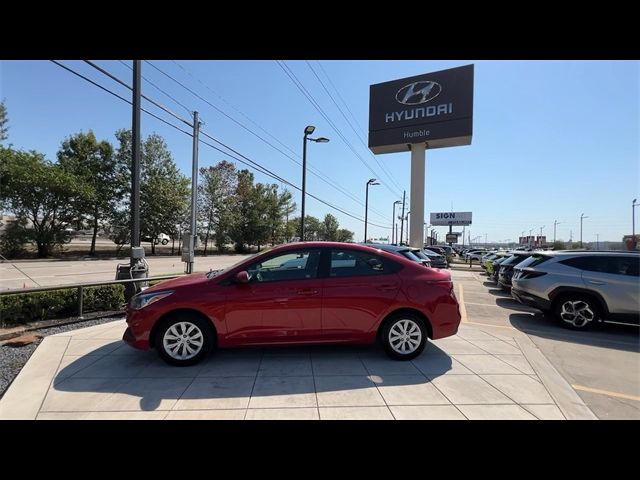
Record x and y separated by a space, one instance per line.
409 254
214 273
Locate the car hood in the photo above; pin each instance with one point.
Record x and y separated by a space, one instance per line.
186 280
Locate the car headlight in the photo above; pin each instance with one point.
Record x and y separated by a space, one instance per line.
142 300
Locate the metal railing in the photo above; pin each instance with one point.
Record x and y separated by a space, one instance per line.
81 286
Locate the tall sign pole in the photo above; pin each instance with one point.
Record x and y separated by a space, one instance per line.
404 194
418 165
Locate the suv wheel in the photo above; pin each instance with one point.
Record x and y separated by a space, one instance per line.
184 339
577 312
404 336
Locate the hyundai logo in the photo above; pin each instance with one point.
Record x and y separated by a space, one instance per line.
418 92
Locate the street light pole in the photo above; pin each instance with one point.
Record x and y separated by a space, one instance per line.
394 236
371 181
309 129
555 222
633 223
581 217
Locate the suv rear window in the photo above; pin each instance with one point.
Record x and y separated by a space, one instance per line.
534 260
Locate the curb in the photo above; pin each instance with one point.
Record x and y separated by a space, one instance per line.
568 401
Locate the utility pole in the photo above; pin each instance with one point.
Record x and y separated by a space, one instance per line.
581 217
135 162
597 241
190 257
404 194
485 240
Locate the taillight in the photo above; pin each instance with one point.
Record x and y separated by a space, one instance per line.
527 274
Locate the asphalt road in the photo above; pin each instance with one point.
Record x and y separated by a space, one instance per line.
33 273
602 364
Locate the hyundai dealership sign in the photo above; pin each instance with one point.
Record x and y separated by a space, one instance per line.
450 218
434 108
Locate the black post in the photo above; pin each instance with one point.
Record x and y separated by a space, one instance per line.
404 194
304 183
135 163
393 223
366 211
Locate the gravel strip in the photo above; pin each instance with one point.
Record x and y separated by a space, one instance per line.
12 359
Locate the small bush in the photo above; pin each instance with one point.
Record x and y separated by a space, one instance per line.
23 308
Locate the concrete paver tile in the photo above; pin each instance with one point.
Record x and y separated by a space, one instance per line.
230 366
495 412
146 394
437 365
485 364
521 388
283 392
282 414
355 413
410 390
545 412
347 391
216 393
496 347
337 365
92 347
206 414
450 346
285 366
468 389
428 412
80 394
519 362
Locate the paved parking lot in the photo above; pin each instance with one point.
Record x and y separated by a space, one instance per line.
602 364
507 362
91 374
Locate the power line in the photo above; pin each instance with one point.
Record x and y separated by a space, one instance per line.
254 165
116 79
381 165
294 79
313 170
158 88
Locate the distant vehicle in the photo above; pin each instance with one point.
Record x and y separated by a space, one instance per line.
581 288
506 268
161 239
402 250
437 260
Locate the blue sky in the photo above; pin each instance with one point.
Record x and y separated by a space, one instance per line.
552 139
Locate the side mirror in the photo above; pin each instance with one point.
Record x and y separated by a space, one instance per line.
242 277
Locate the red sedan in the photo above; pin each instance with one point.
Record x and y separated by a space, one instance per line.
300 293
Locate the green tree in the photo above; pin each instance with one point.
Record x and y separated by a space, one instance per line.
215 197
559 245
95 164
164 191
344 235
4 122
329 228
41 192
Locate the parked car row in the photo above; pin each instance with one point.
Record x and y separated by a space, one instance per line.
579 288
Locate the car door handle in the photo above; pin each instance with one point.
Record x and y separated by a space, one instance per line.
387 287
307 291
595 282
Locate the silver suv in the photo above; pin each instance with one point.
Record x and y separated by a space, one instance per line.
580 288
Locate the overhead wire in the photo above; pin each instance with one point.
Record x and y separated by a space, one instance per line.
251 163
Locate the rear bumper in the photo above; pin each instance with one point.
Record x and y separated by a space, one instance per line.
531 300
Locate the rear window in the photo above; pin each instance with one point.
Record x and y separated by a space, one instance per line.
534 261
409 254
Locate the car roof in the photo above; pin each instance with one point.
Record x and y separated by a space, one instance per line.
387 247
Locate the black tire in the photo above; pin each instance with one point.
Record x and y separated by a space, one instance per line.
164 241
394 324
183 322
586 308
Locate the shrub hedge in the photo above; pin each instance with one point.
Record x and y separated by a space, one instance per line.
29 307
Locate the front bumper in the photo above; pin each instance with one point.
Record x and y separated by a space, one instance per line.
531 300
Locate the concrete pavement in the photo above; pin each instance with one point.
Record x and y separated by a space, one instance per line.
602 364
61 272
91 374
